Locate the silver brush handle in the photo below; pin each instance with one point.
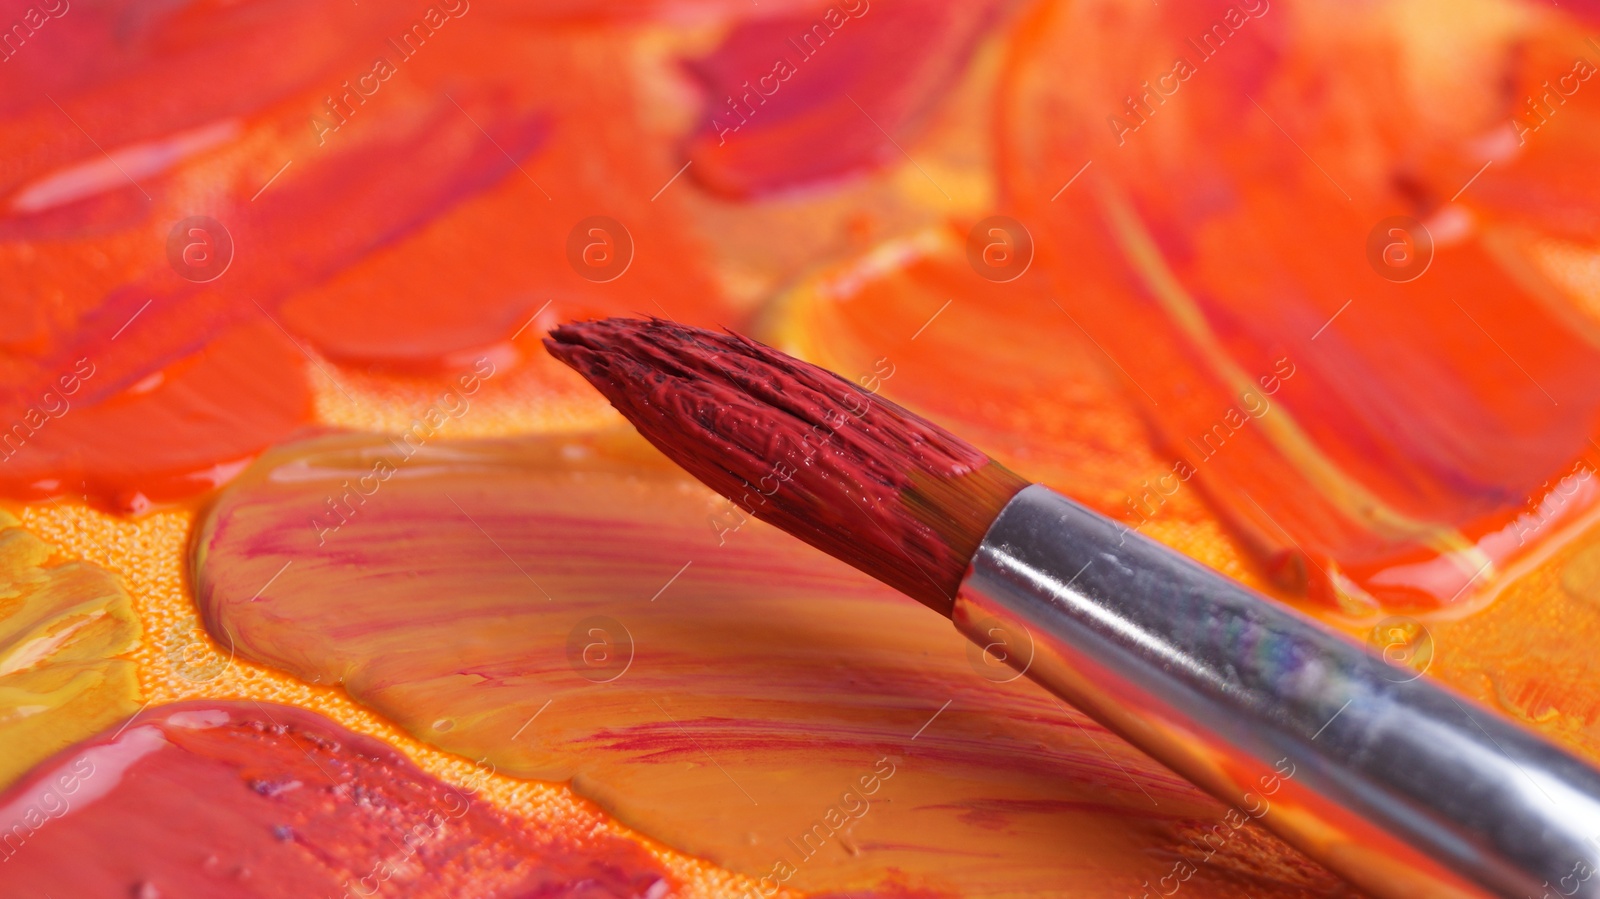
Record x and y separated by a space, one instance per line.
1399 785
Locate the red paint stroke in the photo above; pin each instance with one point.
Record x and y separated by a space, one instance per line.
1219 244
251 800
189 427
827 92
382 176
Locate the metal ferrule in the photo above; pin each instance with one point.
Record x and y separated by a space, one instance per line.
1399 785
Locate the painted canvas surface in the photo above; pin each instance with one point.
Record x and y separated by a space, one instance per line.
320 577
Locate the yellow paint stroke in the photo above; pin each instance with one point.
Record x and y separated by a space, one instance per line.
176 660
64 627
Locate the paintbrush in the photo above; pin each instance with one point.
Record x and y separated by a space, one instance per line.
1401 786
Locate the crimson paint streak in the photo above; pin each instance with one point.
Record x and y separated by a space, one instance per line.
250 800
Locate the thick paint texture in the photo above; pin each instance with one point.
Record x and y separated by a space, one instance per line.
1380 442
822 92
399 186
253 800
186 428
376 263
577 608
64 627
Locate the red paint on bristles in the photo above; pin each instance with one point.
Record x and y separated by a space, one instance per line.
797 446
